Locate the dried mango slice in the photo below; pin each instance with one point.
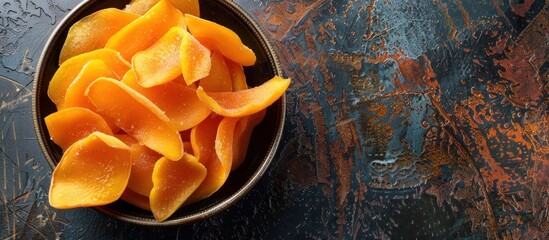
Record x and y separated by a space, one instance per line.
220 38
146 30
242 135
72 124
195 59
68 71
93 31
136 199
160 63
174 182
224 142
238 78
126 139
179 102
142 6
93 171
75 92
143 160
219 78
191 7
203 137
136 115
245 102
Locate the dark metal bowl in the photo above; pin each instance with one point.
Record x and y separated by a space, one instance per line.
264 141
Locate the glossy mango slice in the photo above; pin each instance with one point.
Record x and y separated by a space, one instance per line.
143 160
219 78
242 135
245 102
179 102
238 78
126 139
75 92
72 124
67 72
203 137
142 6
93 31
136 199
174 182
160 63
93 171
195 59
220 38
224 142
136 115
146 30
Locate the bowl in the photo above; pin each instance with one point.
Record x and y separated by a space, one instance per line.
265 138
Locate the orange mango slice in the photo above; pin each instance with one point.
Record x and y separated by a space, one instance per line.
126 139
179 102
242 135
75 92
224 142
245 102
143 160
220 38
70 69
136 115
72 124
203 137
160 63
195 59
174 182
93 171
238 78
219 78
136 199
142 6
93 31
146 30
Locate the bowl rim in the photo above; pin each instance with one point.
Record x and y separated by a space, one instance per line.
213 209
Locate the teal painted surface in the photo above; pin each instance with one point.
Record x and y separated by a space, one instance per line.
405 120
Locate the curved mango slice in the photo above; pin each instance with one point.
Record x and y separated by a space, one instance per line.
126 139
203 137
93 31
75 92
179 102
195 59
143 160
93 171
72 124
224 142
174 182
146 30
160 63
142 6
238 78
242 135
219 78
220 38
68 71
245 102
136 199
136 115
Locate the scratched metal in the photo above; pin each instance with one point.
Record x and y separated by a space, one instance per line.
406 120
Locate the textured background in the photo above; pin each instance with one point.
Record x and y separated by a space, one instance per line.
405 119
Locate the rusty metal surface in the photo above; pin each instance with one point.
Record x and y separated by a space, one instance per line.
405 120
